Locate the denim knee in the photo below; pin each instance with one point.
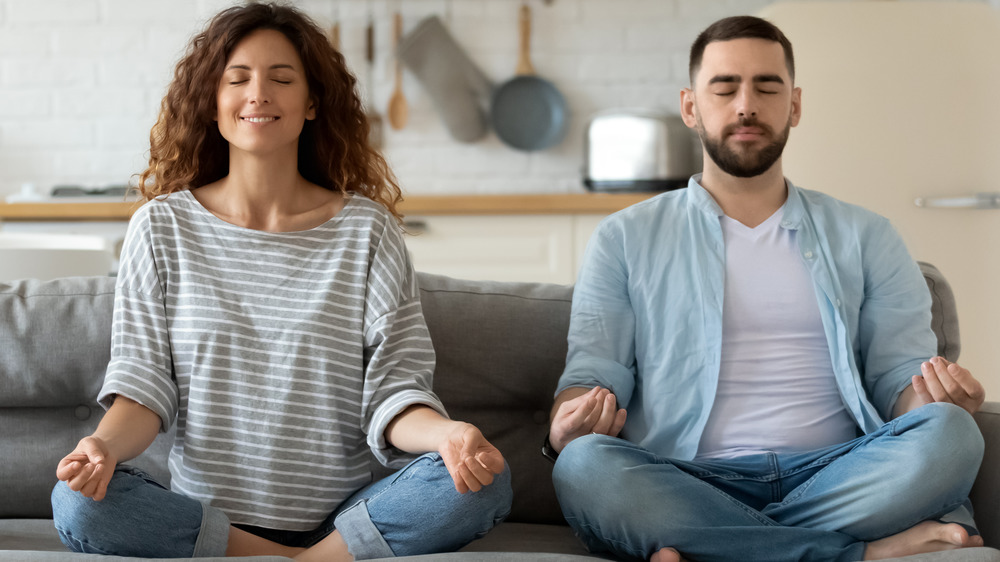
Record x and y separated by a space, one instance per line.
72 515
420 512
952 439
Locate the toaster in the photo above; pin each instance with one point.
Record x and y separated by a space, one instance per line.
639 150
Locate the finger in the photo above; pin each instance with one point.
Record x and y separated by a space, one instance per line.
581 415
920 388
68 468
479 472
619 423
969 384
943 370
492 459
90 488
82 477
937 392
103 477
607 416
467 480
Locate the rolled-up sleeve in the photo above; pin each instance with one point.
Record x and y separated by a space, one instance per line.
399 355
141 366
601 340
895 320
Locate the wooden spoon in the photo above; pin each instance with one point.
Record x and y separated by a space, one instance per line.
398 110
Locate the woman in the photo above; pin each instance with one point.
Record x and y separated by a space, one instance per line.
265 302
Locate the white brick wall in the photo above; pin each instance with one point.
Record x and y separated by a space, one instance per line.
81 80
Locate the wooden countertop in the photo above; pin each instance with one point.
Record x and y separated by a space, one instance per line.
546 204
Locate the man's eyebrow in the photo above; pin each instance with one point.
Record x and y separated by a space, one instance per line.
725 79
768 78
245 67
736 79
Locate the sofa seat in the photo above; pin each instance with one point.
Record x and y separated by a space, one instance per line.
500 348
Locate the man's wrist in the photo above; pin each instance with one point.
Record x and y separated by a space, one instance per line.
548 451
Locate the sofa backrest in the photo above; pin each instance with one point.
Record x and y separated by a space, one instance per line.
500 349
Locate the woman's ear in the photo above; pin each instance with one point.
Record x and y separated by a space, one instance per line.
311 109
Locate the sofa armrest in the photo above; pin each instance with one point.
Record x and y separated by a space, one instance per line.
986 491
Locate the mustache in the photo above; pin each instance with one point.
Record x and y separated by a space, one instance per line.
747 122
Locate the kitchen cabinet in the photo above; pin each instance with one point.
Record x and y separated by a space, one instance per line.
487 237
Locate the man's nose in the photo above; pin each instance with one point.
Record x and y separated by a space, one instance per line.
746 102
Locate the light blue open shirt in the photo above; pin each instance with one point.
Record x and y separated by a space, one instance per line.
647 310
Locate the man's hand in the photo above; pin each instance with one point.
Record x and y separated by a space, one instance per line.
88 469
944 381
941 381
594 411
470 458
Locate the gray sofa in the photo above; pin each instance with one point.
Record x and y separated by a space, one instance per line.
501 348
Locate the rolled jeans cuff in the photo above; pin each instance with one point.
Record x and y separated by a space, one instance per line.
364 541
213 538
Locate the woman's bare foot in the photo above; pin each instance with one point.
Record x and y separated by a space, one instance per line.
929 536
666 554
330 549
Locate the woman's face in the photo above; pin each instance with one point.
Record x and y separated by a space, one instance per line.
263 97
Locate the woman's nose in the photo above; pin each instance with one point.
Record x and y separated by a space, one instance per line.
258 92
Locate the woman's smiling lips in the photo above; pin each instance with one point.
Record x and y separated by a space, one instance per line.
258 119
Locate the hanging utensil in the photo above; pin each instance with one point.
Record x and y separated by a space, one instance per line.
398 110
374 119
335 35
528 112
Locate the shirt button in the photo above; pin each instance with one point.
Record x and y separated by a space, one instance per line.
808 254
838 303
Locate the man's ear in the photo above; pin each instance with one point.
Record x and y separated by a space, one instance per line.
796 106
688 109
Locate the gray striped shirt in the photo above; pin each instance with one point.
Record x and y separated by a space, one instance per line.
282 356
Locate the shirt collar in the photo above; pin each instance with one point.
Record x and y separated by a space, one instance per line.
794 206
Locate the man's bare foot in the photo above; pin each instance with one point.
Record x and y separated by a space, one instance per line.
330 549
929 536
666 554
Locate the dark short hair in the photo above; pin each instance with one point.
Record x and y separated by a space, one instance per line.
739 27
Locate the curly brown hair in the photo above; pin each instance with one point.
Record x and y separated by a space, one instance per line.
186 149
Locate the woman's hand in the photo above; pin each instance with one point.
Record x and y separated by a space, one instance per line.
470 458
88 469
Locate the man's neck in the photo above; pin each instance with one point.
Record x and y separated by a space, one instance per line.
750 201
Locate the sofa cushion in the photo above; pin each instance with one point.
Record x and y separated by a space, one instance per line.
55 342
944 313
502 379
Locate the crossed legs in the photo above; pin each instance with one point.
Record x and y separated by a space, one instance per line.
865 499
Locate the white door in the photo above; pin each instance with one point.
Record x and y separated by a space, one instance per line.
901 100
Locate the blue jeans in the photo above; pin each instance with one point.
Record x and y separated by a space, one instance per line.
414 511
821 505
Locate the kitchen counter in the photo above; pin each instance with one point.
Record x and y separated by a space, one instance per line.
548 204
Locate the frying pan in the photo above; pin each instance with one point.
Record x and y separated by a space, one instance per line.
528 112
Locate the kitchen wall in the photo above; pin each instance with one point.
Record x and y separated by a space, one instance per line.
81 80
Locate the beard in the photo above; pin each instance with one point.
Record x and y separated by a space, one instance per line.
744 162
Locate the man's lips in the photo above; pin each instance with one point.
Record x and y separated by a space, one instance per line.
746 133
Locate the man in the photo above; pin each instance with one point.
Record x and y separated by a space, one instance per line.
762 351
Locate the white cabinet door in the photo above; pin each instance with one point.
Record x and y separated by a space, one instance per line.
497 248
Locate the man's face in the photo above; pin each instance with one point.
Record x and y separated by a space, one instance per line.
743 105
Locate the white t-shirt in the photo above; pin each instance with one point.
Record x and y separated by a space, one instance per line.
777 390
